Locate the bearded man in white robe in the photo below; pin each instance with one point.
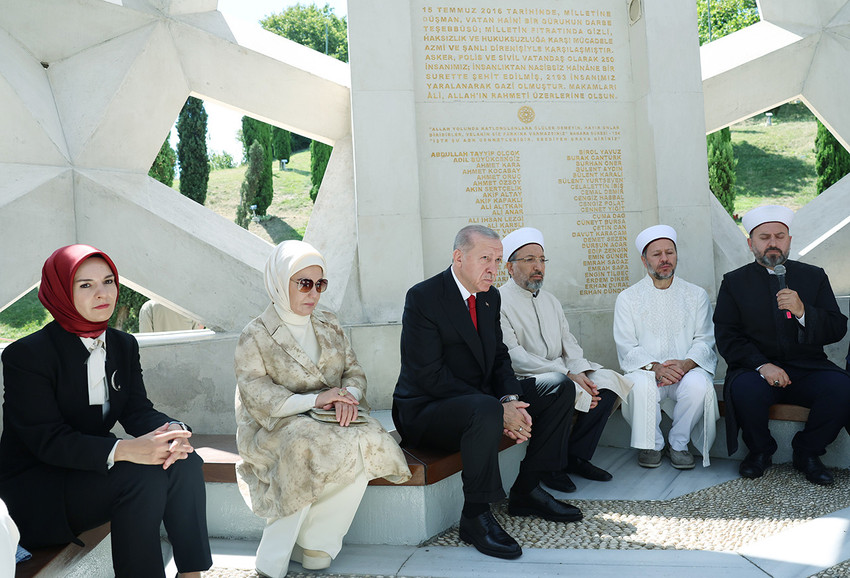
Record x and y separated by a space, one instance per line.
665 344
538 338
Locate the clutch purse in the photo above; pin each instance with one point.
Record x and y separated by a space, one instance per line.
329 416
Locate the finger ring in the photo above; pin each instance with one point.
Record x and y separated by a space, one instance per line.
520 429
343 391
776 382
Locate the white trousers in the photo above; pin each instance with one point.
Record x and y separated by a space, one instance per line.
692 403
9 537
318 526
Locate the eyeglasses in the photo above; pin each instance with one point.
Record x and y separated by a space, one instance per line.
306 285
530 260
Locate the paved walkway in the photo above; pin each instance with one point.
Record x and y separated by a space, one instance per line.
801 550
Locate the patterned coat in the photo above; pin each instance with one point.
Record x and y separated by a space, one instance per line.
287 461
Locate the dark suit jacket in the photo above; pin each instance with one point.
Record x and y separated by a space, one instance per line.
750 330
441 354
49 428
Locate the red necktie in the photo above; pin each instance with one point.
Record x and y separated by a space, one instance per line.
472 313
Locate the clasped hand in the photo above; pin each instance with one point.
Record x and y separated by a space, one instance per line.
517 422
587 385
345 404
163 446
672 371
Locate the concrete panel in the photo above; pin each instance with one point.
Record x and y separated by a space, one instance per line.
212 267
32 197
750 87
301 90
824 89
71 26
821 234
140 111
333 224
394 240
377 349
383 66
192 381
29 122
730 243
802 16
668 23
693 247
393 142
594 331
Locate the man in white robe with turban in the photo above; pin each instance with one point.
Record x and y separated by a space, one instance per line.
665 344
537 335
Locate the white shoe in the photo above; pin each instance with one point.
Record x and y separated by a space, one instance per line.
311 559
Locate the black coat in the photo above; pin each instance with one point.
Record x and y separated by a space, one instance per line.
750 330
441 354
49 428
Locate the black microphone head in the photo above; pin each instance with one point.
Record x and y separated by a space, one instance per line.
779 269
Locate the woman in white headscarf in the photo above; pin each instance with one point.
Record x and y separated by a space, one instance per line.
304 475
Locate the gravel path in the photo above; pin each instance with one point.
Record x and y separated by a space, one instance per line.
721 518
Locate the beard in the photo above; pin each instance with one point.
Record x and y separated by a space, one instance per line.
776 258
530 285
661 276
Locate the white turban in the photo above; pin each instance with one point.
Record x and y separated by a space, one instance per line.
654 233
519 238
285 261
767 214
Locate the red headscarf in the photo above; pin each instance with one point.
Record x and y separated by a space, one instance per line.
57 288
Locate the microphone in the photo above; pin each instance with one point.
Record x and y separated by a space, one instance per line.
780 276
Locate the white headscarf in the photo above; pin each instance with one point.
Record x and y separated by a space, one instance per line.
287 259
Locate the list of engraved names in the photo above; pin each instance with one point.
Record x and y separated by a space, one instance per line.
596 184
498 54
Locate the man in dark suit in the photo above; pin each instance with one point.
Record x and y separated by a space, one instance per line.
457 391
772 337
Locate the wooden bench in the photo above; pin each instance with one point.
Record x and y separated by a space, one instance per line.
58 560
780 411
426 466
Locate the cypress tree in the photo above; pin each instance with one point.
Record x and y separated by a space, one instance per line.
721 168
192 150
255 130
163 165
320 154
832 161
251 184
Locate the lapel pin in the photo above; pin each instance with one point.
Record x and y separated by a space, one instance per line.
115 386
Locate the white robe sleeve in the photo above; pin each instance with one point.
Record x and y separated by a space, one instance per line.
523 362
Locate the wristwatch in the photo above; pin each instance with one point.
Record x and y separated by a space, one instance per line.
507 398
648 366
180 423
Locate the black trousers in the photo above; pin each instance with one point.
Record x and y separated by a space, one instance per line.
826 393
136 499
589 426
473 424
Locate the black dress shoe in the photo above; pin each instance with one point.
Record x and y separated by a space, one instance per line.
488 537
587 470
540 503
814 469
558 481
754 465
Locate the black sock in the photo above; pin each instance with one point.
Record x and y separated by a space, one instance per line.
473 509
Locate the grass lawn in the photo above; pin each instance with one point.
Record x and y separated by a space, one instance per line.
24 316
776 164
291 205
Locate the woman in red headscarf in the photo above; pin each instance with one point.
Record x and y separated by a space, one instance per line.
62 471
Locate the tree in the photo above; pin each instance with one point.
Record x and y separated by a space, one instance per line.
281 146
721 168
832 161
192 150
164 164
324 32
222 160
727 16
312 27
126 314
254 130
251 184
320 154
